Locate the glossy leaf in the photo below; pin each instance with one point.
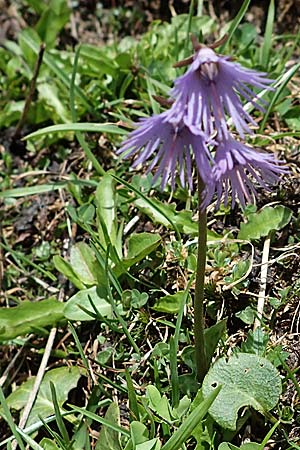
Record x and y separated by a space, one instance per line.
169 303
84 263
66 269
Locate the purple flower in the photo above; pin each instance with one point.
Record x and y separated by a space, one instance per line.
210 90
171 144
238 167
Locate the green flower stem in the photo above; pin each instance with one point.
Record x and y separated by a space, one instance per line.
200 350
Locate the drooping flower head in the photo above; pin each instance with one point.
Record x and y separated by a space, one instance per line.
172 145
238 168
210 91
195 127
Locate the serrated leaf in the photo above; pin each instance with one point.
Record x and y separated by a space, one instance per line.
63 378
28 316
109 438
247 380
82 299
262 223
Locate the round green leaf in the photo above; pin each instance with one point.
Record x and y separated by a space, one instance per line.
247 380
262 223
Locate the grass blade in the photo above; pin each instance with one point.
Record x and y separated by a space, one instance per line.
200 8
235 23
33 190
10 421
35 426
58 416
29 440
284 81
99 419
79 136
174 348
265 51
51 63
148 200
18 256
83 126
79 347
133 405
186 428
115 309
42 188
189 26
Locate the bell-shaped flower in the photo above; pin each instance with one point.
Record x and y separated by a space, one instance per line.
238 169
172 146
210 91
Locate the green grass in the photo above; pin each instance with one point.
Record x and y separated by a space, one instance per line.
114 257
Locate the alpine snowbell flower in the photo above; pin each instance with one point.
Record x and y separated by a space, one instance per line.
194 127
211 89
237 167
172 143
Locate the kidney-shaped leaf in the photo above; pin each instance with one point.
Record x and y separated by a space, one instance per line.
247 380
262 223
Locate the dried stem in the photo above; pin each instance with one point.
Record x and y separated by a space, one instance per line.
37 383
219 42
163 101
197 46
200 350
31 92
263 283
184 62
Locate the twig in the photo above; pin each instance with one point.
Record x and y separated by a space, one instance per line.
10 366
38 380
263 283
31 92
